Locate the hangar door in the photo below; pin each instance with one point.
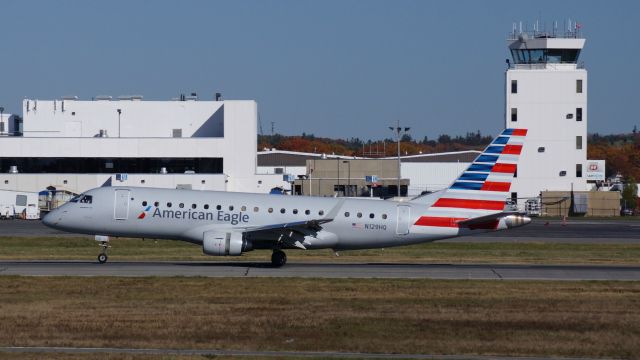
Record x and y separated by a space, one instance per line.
404 216
121 206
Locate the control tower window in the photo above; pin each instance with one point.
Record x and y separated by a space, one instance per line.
579 86
514 86
541 56
579 170
578 114
514 114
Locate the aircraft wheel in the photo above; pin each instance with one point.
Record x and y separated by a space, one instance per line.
102 258
278 258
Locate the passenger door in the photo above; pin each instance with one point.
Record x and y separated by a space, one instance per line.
121 205
404 216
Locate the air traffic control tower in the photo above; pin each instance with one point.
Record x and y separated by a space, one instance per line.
546 93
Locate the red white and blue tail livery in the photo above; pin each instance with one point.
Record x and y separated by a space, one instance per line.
481 190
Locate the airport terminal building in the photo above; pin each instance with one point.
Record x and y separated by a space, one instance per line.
76 145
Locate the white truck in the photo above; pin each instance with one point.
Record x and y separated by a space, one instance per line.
19 204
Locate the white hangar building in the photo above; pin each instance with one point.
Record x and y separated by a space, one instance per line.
77 145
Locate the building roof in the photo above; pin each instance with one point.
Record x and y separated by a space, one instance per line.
295 158
445 157
292 158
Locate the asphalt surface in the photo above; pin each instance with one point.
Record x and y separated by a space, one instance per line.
322 270
540 230
279 354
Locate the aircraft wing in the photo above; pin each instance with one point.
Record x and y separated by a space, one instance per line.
484 220
314 225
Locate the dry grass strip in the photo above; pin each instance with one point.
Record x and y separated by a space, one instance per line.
571 319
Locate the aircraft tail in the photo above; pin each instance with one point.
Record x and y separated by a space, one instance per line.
477 198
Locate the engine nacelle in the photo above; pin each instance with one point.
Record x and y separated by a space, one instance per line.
224 243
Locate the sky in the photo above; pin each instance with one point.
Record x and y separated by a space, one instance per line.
333 68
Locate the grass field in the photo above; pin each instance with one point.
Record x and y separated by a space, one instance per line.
571 319
78 248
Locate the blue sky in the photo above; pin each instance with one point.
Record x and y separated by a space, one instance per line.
331 68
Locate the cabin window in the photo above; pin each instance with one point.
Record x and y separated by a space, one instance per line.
307 212
282 211
181 205
346 214
230 207
371 216
255 209
218 207
168 204
206 206
295 211
359 215
193 206
144 203
384 216
243 208
321 212
156 204
270 210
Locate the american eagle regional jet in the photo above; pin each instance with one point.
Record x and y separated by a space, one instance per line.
229 223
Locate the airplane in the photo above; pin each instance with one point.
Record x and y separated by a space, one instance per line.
230 223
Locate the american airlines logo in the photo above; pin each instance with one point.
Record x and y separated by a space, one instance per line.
221 216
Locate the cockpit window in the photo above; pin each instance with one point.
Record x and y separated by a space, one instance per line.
75 199
87 199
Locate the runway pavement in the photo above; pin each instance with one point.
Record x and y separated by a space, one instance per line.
322 270
540 230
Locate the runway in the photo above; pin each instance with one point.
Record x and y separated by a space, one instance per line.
540 230
323 270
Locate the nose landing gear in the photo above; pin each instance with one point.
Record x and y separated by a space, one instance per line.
278 258
102 257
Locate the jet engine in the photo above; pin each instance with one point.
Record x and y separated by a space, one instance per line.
224 243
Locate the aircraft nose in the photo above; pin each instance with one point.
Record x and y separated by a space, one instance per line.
51 219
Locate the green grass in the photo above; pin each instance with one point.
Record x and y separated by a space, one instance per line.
79 248
524 318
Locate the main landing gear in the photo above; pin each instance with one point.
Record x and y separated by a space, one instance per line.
102 257
278 258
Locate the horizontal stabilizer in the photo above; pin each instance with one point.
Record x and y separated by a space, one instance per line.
484 220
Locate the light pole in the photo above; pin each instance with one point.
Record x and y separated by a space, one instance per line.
119 112
348 176
399 130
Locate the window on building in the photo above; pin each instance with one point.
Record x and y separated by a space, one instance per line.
514 114
514 86
579 86
579 170
578 142
578 114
